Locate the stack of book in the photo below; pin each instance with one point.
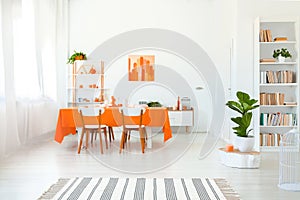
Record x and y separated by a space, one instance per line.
290 103
282 76
280 39
267 60
271 98
269 139
265 36
278 119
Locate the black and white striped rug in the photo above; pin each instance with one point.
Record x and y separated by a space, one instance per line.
140 189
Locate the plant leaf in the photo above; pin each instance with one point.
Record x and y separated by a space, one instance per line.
235 106
242 96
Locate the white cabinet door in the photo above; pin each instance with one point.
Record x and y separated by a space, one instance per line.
181 118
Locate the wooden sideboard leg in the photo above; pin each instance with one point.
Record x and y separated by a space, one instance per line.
187 129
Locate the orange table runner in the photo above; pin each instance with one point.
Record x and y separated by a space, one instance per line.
69 118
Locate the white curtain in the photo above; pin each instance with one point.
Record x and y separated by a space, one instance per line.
33 45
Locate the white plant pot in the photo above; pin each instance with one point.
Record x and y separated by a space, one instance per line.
244 144
281 59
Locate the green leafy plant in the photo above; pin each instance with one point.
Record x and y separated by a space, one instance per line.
283 52
76 56
154 104
244 107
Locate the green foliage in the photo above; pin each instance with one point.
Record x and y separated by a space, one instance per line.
154 104
283 52
76 56
243 106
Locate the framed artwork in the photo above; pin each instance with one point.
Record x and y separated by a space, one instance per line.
141 67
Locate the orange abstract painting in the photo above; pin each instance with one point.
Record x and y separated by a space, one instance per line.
141 67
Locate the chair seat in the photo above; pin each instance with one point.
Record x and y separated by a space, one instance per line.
94 126
134 126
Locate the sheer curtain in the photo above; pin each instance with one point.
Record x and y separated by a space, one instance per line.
33 46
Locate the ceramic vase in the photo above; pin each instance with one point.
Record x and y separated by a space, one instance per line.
281 59
244 144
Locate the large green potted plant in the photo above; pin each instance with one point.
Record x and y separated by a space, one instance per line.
244 107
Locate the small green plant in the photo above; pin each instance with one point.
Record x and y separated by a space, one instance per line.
154 104
283 52
76 56
243 106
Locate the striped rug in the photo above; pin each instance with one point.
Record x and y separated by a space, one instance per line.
140 188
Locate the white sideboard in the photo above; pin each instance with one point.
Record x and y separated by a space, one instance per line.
181 118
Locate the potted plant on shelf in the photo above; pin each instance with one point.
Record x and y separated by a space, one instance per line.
76 56
281 54
244 142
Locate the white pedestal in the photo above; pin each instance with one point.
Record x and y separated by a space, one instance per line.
238 159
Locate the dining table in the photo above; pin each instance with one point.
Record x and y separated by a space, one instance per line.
69 121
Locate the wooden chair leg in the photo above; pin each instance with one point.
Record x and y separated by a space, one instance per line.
145 133
101 147
109 134
112 133
122 141
105 137
125 136
87 139
92 137
129 132
80 142
142 139
95 136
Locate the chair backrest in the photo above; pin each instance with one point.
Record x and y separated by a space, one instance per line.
91 113
135 111
128 113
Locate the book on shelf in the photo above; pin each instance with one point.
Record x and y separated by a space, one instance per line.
278 119
261 35
282 76
265 35
269 35
271 98
267 60
290 103
280 39
263 77
270 139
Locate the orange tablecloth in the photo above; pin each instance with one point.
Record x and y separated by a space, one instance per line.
68 118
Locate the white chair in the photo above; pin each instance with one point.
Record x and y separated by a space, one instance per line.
129 124
91 123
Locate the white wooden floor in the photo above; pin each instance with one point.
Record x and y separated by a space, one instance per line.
30 171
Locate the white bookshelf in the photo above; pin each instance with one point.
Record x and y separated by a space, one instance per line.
283 27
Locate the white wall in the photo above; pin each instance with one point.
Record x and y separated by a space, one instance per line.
224 29
208 23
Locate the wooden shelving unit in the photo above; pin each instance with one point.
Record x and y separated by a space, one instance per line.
86 83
